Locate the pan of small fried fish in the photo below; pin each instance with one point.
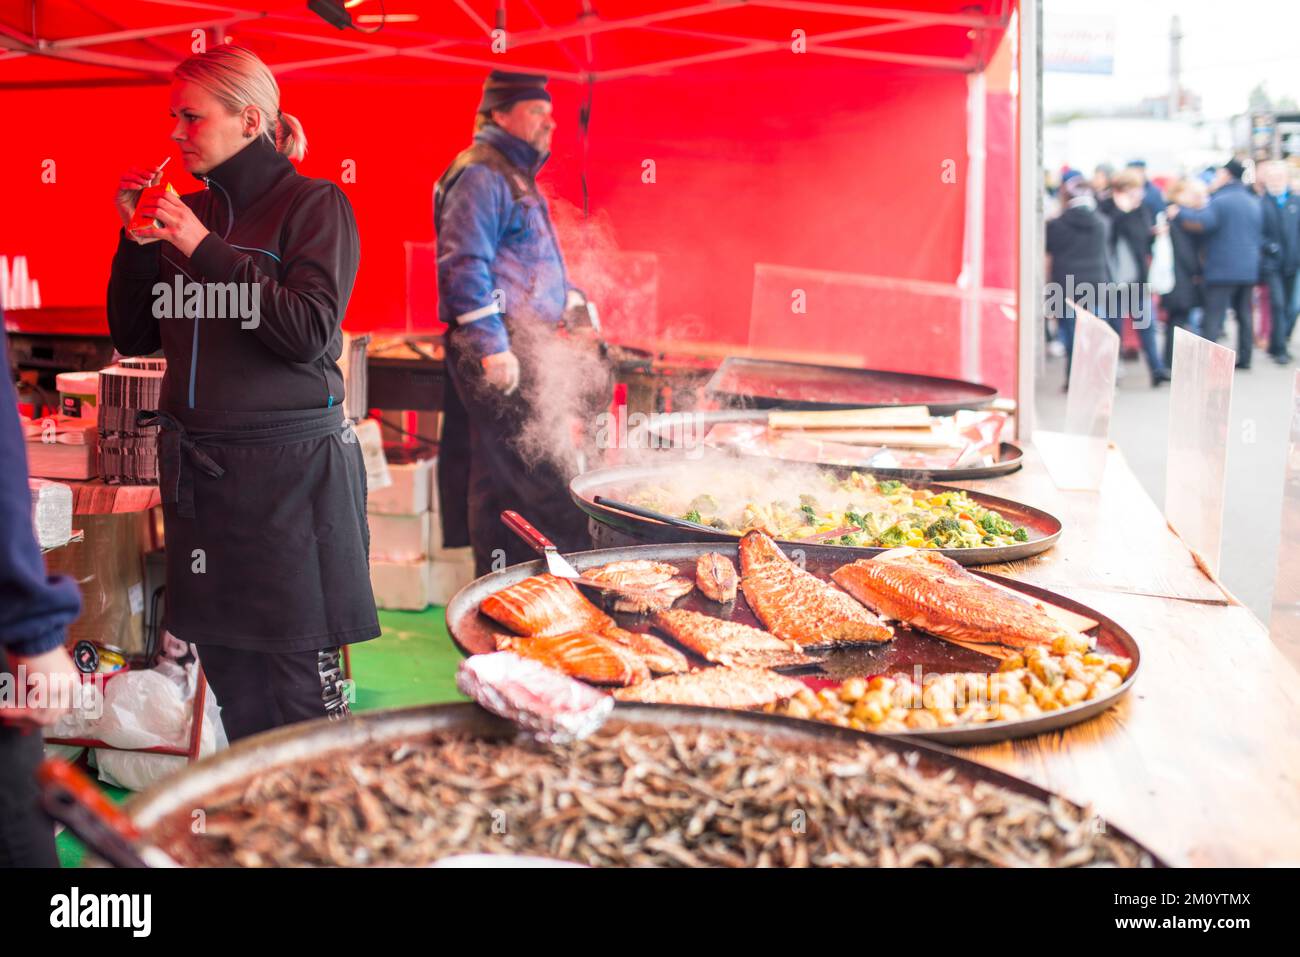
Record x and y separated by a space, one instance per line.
881 677
655 787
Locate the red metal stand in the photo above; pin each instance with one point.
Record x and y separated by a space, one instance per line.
190 752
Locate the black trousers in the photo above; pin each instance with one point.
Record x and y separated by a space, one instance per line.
1219 298
26 834
502 476
1283 297
260 691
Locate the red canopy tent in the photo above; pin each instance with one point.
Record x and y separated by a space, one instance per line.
736 154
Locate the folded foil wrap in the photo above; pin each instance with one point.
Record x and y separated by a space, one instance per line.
51 512
554 707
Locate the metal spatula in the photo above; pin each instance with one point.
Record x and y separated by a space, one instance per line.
559 566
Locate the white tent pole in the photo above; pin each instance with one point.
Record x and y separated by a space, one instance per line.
972 310
1029 236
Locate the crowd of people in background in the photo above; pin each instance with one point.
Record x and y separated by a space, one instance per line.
1225 240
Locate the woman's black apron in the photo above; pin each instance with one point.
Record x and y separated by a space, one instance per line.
267 541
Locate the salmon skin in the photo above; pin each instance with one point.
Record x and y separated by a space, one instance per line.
716 577
590 657
933 593
796 605
544 605
661 658
716 688
661 577
729 643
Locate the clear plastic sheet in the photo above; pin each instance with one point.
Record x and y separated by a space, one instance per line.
1196 467
1285 623
554 707
887 323
1076 457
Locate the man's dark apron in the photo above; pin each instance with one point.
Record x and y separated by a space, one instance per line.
267 541
480 471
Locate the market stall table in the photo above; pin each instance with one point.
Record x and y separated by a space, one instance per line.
1202 760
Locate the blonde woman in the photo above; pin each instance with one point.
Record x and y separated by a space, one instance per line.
262 479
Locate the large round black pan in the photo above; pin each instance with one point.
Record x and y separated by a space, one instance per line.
475 633
666 430
193 785
774 384
618 482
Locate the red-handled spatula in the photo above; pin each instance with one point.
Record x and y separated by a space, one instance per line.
559 566
76 802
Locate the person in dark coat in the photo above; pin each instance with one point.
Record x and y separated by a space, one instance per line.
1232 224
1076 245
262 478
1280 260
35 611
1186 295
516 375
1132 232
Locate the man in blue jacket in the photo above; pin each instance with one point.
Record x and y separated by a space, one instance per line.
35 611
1280 261
1233 226
503 294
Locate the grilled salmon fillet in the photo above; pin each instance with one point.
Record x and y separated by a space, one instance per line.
796 605
660 657
933 593
660 577
729 643
585 655
716 577
716 688
544 605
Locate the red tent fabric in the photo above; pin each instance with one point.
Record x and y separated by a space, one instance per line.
827 157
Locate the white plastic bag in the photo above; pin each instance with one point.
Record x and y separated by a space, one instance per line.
1161 274
147 709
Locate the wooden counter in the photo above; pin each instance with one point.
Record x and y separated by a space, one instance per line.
1202 759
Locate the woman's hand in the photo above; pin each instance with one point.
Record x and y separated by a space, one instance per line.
128 190
180 226
51 683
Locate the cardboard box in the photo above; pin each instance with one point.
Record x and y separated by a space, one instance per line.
399 538
408 495
400 586
448 577
108 566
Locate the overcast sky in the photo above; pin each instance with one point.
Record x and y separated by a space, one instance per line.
1228 47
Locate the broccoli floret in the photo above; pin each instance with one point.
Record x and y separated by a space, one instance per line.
694 516
943 528
893 536
889 486
1021 534
995 524
810 513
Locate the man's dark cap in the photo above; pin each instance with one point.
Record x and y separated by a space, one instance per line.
502 90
